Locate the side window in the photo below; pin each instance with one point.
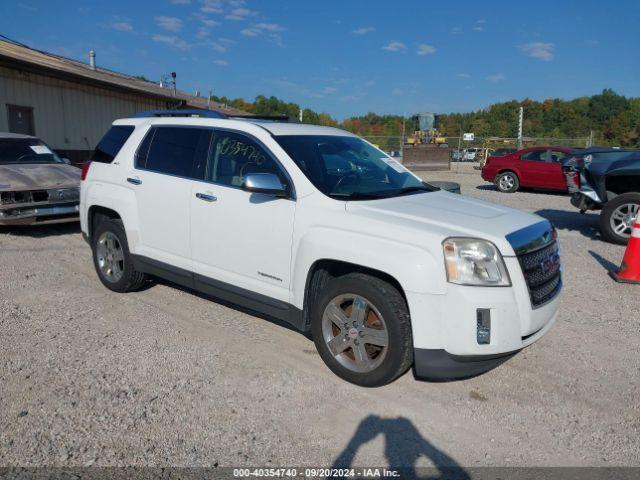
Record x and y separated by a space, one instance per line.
233 156
111 143
535 156
176 150
557 156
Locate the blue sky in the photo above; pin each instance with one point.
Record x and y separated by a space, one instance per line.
349 57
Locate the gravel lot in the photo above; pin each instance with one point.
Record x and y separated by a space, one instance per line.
165 377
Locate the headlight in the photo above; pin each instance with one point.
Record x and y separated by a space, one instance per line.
470 261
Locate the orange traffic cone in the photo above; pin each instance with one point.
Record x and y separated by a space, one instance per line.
629 271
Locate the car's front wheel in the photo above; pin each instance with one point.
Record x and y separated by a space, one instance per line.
112 259
362 330
507 182
618 217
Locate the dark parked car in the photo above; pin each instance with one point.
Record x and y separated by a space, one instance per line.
535 167
609 180
36 185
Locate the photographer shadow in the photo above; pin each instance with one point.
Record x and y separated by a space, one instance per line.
403 448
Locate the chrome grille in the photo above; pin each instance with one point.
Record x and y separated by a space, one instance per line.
543 273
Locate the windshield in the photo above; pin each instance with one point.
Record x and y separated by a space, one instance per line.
348 168
26 150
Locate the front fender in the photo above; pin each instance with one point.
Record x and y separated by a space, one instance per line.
415 269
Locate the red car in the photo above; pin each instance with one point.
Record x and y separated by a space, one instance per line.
536 167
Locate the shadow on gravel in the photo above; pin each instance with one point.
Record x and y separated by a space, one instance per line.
586 224
41 231
606 264
403 447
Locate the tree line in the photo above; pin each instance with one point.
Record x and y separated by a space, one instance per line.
614 119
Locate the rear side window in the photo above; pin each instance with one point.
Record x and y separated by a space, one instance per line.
535 156
174 150
111 143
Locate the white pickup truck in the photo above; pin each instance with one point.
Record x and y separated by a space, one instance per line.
316 227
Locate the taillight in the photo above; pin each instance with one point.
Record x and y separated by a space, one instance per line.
85 171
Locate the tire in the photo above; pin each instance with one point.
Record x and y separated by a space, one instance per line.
617 218
507 182
124 277
385 320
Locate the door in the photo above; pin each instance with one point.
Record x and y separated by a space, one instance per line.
162 182
556 176
536 169
241 239
20 120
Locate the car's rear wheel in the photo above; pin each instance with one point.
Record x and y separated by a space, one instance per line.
112 259
362 330
507 182
618 217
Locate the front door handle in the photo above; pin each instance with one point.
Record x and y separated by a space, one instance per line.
207 197
134 180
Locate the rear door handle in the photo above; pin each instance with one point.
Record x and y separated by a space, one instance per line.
134 180
207 197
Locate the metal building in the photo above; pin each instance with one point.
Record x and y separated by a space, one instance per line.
70 104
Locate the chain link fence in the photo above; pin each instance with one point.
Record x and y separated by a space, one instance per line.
397 143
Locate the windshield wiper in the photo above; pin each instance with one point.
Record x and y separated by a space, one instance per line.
408 190
357 196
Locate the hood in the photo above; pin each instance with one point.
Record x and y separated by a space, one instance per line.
38 176
445 214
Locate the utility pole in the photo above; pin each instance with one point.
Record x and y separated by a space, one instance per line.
404 115
520 118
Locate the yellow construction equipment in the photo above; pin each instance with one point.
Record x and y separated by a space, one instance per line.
425 130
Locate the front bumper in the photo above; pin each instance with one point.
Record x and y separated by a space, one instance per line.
40 214
440 365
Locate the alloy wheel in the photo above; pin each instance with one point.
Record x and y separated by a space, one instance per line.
623 218
110 257
355 333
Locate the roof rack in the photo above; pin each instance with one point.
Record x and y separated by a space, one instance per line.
271 118
181 113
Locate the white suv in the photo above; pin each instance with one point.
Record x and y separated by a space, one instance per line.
316 227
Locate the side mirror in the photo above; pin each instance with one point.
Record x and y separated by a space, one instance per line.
265 183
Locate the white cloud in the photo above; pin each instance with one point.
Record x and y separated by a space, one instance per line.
456 30
496 77
202 33
181 2
269 27
397 92
395 47
172 24
463 75
240 14
479 25
122 26
219 47
424 49
250 32
207 22
172 41
211 6
329 90
222 63
541 51
363 30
